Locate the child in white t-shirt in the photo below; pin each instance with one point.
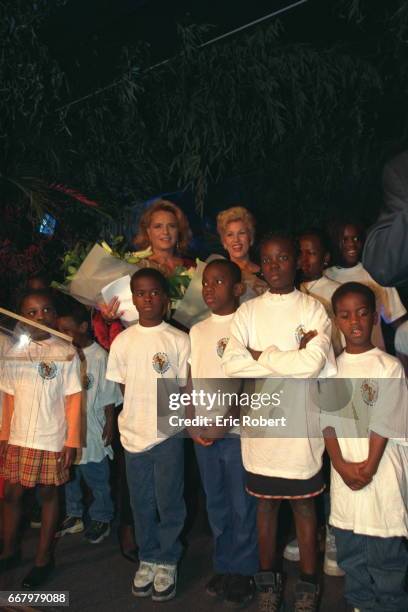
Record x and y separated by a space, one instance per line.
231 511
99 397
348 245
147 359
40 429
369 497
285 334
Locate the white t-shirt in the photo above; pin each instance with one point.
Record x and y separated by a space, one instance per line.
208 341
381 508
138 358
389 305
100 392
39 386
322 289
274 324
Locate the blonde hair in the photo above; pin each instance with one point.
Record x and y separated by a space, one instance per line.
236 213
142 241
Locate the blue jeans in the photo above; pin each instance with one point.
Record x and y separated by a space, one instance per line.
96 476
156 484
231 511
376 571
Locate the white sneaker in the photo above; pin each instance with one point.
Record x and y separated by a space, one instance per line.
330 566
165 580
291 552
143 581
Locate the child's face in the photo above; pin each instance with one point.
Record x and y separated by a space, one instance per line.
220 293
40 309
278 263
77 331
163 231
313 258
150 300
236 240
351 246
355 319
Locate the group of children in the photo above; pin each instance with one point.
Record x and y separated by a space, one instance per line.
286 333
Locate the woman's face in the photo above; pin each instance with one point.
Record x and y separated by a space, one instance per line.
163 231
236 240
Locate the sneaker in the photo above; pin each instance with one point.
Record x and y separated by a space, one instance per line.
97 531
143 581
70 524
291 552
330 566
216 586
239 591
270 591
164 584
306 597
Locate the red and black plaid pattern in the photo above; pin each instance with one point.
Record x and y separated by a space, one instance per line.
31 466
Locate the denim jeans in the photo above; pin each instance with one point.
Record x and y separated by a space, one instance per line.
376 571
156 484
96 476
231 511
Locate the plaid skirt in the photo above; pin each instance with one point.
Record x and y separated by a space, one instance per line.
31 466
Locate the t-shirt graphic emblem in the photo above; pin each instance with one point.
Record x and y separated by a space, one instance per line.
369 391
88 381
299 333
47 370
160 363
221 345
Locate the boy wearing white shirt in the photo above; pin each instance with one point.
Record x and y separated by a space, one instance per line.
286 334
231 511
348 246
369 462
99 396
139 358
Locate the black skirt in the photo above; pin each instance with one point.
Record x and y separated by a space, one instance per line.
271 487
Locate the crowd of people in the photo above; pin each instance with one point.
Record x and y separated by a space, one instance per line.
307 310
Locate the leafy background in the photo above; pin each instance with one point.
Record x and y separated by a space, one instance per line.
295 127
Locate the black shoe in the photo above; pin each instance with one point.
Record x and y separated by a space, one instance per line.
38 575
10 563
97 531
240 591
216 586
270 591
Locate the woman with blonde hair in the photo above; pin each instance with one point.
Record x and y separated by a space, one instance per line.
236 228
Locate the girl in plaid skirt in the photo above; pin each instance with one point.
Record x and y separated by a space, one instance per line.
40 430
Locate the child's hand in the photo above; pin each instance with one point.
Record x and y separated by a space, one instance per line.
367 471
307 336
110 312
352 476
255 354
196 434
67 457
202 441
107 433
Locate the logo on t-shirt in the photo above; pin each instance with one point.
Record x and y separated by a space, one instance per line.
47 370
299 333
88 381
221 345
369 391
160 363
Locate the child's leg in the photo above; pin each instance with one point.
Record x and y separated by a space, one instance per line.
73 494
352 558
49 518
304 512
96 476
387 566
11 515
267 522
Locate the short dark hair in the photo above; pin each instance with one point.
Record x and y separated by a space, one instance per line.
40 275
279 235
75 310
233 269
358 288
153 274
24 295
320 234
